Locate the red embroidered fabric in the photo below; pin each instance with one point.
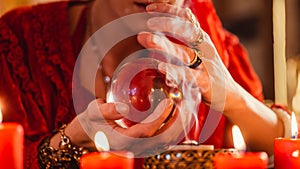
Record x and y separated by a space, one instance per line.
37 61
37 58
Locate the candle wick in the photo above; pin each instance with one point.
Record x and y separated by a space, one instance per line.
295 135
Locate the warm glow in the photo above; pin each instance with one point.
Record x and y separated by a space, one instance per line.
101 141
238 139
1 118
295 154
294 125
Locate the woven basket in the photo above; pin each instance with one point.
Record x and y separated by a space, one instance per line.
185 157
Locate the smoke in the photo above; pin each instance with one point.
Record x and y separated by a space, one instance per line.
186 81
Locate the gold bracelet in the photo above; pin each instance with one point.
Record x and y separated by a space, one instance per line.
66 156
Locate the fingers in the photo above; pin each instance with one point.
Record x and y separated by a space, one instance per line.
152 123
196 78
172 131
159 116
181 25
166 8
170 122
162 43
192 79
153 1
181 21
179 28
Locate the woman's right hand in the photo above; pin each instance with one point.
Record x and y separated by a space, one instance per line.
139 138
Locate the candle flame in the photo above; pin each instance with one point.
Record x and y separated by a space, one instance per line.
295 153
294 126
101 141
238 139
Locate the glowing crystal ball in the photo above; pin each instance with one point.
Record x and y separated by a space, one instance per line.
140 85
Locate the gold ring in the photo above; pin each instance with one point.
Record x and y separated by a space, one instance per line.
197 59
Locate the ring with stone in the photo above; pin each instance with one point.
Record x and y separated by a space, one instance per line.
197 59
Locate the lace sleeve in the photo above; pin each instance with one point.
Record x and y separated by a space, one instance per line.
14 74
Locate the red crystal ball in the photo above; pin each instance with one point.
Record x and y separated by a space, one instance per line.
142 87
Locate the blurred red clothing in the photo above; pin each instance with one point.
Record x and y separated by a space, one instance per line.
37 58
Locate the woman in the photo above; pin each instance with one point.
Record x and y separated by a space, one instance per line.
39 47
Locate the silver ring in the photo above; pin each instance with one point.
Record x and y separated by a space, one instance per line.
197 59
194 21
191 17
198 41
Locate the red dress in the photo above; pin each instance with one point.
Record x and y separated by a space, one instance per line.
37 57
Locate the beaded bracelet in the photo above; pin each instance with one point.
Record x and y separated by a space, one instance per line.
66 156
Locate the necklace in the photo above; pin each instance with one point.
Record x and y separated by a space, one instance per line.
106 78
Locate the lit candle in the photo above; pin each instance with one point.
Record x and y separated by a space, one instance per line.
286 153
294 125
105 159
11 145
238 139
286 150
242 159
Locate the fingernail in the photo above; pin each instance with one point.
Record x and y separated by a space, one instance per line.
162 67
153 22
156 40
151 7
122 108
142 35
142 38
170 103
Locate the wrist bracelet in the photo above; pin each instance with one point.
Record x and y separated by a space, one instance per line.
66 156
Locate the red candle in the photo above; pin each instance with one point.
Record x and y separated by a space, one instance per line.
247 160
286 153
241 160
107 160
11 145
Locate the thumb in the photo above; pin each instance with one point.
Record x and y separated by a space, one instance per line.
107 111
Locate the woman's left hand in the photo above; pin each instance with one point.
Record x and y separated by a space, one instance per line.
211 77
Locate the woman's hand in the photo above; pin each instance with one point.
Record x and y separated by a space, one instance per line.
259 125
153 133
211 77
